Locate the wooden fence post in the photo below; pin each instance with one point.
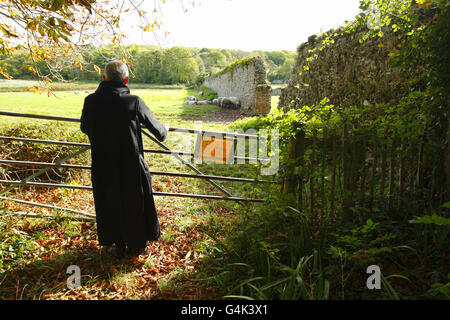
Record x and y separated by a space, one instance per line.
333 174
301 162
311 177
363 173
383 172
373 177
296 150
290 180
392 164
401 174
346 168
324 205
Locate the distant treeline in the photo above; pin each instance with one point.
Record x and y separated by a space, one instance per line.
155 65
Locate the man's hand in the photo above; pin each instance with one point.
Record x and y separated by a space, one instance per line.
167 127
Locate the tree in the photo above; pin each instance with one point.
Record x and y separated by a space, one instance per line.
59 32
179 65
276 57
284 72
215 59
148 63
424 62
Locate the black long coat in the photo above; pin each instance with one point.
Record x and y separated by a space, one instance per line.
121 180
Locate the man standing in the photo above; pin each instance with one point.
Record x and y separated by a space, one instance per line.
112 118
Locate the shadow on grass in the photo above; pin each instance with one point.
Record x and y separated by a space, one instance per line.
46 277
217 115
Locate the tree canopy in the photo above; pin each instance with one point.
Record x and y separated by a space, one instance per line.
151 64
73 39
49 30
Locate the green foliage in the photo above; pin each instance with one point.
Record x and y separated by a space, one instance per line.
362 244
271 255
284 71
214 59
179 65
150 64
14 249
280 251
256 123
239 63
279 64
433 219
441 289
208 94
424 62
351 237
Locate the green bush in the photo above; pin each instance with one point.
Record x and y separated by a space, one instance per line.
257 123
272 254
208 94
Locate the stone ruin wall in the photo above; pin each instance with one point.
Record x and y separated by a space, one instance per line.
348 72
246 81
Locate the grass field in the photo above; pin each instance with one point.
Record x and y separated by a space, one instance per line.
165 103
22 85
35 252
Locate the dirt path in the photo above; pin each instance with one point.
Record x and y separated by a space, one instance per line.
223 116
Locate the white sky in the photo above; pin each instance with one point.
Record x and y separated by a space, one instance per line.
245 24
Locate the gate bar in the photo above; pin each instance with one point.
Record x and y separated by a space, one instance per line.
79 144
156 173
190 166
45 216
65 143
41 171
184 195
57 118
228 194
87 214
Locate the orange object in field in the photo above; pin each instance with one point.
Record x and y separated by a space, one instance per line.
214 149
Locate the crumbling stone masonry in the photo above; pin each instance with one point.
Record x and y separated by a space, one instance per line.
246 80
347 72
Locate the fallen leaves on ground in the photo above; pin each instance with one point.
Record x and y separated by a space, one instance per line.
35 259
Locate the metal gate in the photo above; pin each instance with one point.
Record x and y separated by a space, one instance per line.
83 147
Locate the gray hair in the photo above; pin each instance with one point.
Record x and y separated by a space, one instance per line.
116 71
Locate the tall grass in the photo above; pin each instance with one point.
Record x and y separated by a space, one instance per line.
278 251
271 255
